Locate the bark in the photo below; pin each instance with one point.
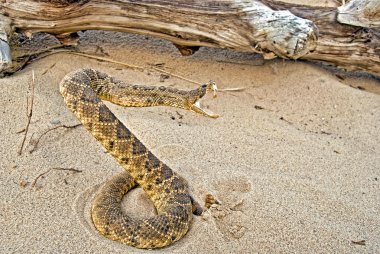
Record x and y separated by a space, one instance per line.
363 13
243 25
349 47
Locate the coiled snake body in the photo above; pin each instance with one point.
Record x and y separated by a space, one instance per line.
82 91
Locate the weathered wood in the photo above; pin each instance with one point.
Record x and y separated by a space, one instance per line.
352 48
363 13
243 25
5 52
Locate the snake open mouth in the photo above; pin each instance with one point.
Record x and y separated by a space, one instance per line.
199 108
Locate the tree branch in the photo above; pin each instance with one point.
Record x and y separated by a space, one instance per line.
267 27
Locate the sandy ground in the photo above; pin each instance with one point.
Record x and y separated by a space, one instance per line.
294 157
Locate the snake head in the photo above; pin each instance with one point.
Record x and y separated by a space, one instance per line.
198 94
204 89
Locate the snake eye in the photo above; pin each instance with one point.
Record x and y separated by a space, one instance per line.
204 85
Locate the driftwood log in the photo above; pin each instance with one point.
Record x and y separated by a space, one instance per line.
347 37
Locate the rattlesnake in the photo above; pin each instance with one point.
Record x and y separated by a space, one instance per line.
82 91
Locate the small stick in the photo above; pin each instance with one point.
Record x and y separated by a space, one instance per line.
30 114
20 131
45 71
232 89
361 242
35 144
69 169
40 52
39 176
47 172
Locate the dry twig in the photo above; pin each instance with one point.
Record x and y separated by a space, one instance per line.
50 67
361 242
35 143
232 89
29 110
47 172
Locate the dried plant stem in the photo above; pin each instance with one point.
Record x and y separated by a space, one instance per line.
29 113
48 171
35 144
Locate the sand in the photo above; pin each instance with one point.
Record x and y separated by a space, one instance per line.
294 157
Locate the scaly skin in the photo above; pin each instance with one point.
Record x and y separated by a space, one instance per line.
82 91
